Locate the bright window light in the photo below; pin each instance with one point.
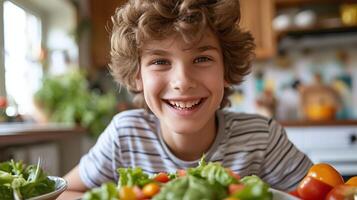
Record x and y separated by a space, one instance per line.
23 68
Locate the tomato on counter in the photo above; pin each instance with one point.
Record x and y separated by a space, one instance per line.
319 181
342 192
326 173
352 181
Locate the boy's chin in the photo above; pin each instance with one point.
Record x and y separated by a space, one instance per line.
185 128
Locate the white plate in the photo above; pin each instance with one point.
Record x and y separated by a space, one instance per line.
60 186
279 195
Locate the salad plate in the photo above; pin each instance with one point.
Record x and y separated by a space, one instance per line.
60 186
279 195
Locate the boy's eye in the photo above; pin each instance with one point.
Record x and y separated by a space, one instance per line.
160 62
201 59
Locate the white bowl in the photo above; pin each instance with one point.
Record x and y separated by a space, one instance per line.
279 195
60 186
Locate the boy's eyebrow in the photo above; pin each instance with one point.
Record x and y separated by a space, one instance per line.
206 48
155 52
164 53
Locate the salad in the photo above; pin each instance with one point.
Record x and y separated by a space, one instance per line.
18 181
208 181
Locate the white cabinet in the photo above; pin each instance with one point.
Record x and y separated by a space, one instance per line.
335 145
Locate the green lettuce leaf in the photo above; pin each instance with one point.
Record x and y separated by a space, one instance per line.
107 191
255 189
132 177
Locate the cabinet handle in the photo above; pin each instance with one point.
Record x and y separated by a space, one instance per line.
353 138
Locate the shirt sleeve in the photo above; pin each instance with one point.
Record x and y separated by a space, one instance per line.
96 167
284 165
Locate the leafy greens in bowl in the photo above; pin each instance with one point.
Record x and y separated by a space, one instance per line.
209 181
60 186
19 181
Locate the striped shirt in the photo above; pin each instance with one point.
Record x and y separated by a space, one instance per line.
248 144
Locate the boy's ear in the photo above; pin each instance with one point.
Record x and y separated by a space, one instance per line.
139 82
226 84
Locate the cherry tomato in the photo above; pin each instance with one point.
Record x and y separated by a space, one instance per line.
352 181
233 188
139 193
326 173
313 189
342 192
162 177
233 174
127 193
151 189
181 172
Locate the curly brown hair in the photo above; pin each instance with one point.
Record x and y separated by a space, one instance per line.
141 20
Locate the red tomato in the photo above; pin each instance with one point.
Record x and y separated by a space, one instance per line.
313 189
233 188
162 177
352 181
342 192
326 173
294 193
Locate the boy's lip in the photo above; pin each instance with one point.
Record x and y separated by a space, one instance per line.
184 98
185 105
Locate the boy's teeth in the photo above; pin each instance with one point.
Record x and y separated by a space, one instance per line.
184 104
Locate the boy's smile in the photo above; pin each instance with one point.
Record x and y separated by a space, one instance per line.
183 86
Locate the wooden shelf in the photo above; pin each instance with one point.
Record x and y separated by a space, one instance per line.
316 31
299 3
306 123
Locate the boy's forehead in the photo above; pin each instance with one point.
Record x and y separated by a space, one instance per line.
208 39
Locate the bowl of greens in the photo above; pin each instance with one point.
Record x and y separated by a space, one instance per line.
209 181
60 186
19 181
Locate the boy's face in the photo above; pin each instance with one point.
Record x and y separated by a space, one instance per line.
183 86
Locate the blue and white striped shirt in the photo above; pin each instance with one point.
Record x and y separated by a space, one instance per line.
246 143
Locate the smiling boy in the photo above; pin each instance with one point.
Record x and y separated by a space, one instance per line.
180 59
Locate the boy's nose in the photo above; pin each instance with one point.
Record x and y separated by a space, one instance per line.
183 79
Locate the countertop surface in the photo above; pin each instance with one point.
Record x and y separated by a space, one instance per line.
29 133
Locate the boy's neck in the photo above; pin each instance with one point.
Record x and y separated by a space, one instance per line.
190 147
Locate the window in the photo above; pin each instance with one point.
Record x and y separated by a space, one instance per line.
22 57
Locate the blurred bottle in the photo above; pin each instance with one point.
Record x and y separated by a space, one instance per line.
289 103
349 14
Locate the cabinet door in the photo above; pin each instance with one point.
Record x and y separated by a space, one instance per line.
257 17
101 12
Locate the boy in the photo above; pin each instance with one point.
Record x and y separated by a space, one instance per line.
180 58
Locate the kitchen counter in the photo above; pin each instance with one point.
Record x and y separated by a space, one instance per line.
64 141
29 133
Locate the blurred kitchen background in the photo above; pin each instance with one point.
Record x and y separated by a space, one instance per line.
56 93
